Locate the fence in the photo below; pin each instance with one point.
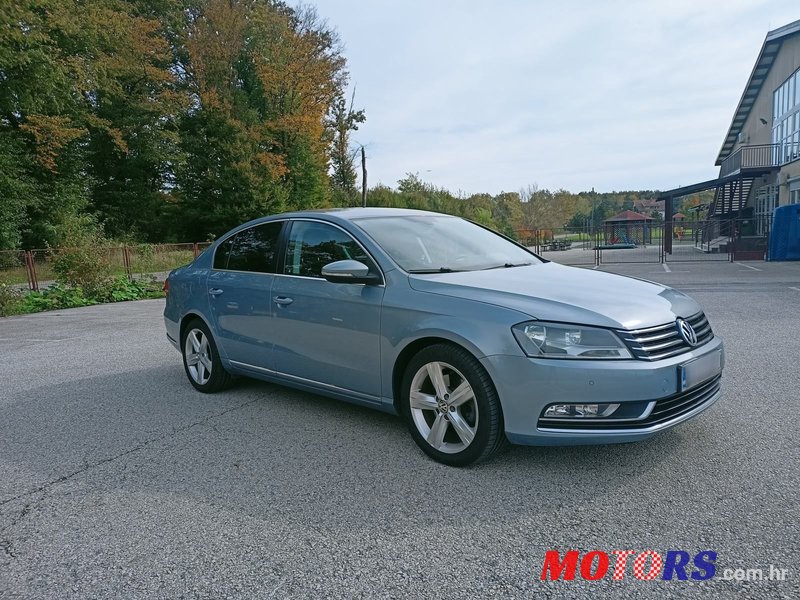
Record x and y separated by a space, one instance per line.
644 242
35 267
710 240
569 246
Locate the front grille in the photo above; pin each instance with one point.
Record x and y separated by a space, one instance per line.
664 410
663 341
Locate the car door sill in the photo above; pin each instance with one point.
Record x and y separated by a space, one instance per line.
325 387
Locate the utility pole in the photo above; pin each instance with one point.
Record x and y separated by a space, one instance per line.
363 177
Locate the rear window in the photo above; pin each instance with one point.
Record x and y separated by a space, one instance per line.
254 249
222 254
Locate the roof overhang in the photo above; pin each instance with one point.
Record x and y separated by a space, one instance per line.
769 51
711 184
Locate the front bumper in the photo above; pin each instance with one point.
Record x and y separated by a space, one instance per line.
527 385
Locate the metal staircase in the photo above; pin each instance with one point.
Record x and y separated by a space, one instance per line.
731 197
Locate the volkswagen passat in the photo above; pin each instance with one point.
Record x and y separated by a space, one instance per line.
469 336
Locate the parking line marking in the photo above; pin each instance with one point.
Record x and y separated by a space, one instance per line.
794 288
666 267
748 266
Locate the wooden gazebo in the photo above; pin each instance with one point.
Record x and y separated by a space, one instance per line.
628 227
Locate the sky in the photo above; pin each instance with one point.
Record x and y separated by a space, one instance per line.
570 94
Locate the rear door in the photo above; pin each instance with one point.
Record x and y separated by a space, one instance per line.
239 293
326 332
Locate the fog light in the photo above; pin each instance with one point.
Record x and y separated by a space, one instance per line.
579 411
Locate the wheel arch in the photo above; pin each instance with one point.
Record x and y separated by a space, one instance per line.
188 318
410 350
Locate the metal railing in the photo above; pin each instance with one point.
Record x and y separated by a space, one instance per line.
692 240
751 157
566 245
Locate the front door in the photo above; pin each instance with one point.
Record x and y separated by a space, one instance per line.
326 332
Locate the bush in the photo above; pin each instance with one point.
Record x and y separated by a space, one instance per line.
83 260
54 297
120 289
57 297
10 300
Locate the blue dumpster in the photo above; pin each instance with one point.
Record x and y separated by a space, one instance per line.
784 239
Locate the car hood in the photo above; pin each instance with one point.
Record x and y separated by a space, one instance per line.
554 292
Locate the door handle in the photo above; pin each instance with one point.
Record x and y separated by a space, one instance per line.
282 300
214 291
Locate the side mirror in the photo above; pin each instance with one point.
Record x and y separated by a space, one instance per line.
348 271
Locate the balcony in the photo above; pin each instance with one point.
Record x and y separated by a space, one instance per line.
751 160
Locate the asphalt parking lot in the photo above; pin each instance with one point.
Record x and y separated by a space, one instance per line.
117 479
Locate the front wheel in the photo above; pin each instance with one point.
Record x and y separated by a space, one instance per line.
201 359
451 406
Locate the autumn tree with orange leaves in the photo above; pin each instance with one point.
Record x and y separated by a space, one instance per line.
162 119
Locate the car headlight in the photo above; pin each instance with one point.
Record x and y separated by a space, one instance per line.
559 340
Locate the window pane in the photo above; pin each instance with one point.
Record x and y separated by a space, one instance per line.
432 243
775 106
255 248
784 99
797 88
222 253
313 245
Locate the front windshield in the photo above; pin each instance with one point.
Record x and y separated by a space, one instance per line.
443 244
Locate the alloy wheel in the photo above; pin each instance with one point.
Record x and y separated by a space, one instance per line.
443 407
198 356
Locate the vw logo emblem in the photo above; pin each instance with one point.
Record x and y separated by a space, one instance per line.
687 332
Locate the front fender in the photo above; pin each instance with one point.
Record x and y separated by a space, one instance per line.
410 315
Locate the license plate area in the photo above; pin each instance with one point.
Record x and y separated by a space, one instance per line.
699 370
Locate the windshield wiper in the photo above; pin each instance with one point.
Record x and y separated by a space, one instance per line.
507 266
439 270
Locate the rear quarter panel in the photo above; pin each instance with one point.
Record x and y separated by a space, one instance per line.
187 295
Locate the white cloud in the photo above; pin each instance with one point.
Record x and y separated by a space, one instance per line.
479 96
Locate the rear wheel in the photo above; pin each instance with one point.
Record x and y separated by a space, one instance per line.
201 359
451 406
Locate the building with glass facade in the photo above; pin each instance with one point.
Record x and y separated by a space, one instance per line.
759 162
760 156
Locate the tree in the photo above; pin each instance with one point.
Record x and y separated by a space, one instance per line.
17 190
507 213
81 84
343 120
543 209
139 111
262 79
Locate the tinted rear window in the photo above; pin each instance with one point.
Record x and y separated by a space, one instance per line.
222 254
254 249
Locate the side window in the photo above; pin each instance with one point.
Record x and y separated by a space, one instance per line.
255 249
313 245
222 253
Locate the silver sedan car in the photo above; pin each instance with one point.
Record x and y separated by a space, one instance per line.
472 338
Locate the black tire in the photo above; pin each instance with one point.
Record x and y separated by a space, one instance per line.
219 378
486 423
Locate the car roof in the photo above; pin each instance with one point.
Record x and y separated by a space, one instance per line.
336 215
362 213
